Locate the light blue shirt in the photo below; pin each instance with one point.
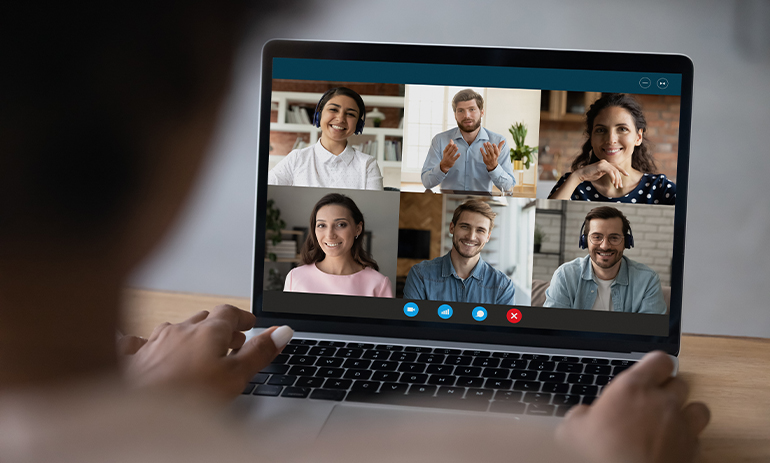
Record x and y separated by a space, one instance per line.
469 172
635 289
436 280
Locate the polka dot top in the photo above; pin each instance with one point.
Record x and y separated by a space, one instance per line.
652 189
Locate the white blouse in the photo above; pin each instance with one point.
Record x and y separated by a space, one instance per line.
315 166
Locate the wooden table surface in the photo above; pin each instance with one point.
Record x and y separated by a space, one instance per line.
730 374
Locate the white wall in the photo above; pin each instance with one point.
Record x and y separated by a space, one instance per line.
727 259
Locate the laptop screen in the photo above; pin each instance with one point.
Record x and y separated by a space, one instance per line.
489 195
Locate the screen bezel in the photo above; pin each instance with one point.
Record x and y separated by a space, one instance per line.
479 56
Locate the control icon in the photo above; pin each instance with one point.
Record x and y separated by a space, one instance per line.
514 316
445 311
662 83
411 309
479 314
645 82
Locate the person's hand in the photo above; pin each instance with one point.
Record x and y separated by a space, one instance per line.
489 153
598 170
640 417
449 157
194 353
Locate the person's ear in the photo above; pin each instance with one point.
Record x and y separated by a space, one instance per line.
639 137
451 228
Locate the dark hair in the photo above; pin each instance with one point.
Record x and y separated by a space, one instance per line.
345 92
641 159
311 250
467 95
477 206
606 212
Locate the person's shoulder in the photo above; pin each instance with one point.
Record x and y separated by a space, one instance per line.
300 154
373 274
638 267
578 262
304 270
494 136
426 264
360 155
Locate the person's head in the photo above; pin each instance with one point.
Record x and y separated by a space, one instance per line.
605 232
616 131
336 231
471 227
339 113
468 107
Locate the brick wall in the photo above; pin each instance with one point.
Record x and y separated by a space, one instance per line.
560 142
652 227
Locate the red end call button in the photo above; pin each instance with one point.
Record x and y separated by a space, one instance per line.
514 315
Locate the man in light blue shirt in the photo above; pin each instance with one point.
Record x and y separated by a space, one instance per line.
462 275
469 157
605 279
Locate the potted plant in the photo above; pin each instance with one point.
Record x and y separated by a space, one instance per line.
539 237
523 155
274 226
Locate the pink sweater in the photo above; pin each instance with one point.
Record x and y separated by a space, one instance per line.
309 279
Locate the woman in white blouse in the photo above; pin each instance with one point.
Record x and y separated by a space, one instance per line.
332 162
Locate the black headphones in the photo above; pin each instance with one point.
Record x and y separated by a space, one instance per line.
628 239
317 114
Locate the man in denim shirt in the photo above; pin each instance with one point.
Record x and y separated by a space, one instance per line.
462 275
605 279
469 157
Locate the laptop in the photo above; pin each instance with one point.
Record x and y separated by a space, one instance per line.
524 337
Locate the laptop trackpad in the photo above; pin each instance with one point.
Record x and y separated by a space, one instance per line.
371 433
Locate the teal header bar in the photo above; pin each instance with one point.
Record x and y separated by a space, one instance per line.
478 76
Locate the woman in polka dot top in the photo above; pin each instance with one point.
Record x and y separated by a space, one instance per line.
616 162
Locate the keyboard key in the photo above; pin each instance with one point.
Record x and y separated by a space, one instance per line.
580 379
524 374
249 387
442 380
477 353
296 392
582 389
331 343
598 369
302 360
468 371
322 351
280 359
299 370
390 347
492 383
330 372
281 380
384 366
276 369
535 357
412 367
562 410
441 369
451 393
385 376
555 387
366 386
413 378
304 342
376 355
259 378
394 388
603 380
486 362
588 400
595 361
541 365
309 381
295 349
328 394
359 345
548 376
459 360
540 409
533 386
619 369
469 381
333 383
568 367
422 391
506 355
624 363
264 389
403 357
349 353
566 399
357 363
357 374
508 396
330 362
562 358
516 364
419 349
442 351
537 398
431 358
500 373
481 395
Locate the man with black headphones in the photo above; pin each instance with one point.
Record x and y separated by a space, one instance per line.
605 279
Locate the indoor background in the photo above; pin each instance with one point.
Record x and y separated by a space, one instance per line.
727 275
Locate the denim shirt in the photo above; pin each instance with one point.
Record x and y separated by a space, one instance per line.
469 173
437 280
636 287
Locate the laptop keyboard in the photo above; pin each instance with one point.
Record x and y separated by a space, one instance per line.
478 380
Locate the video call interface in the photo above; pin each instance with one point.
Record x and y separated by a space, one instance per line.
399 193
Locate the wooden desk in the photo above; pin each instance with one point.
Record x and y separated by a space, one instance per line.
729 374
